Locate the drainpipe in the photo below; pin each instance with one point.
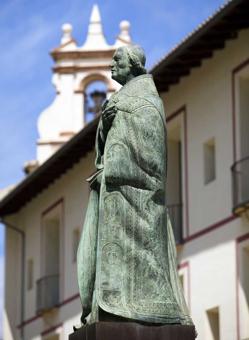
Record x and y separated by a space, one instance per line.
23 239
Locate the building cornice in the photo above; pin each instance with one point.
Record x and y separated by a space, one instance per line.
76 69
61 161
201 44
79 54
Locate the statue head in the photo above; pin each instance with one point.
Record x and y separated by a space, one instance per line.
128 62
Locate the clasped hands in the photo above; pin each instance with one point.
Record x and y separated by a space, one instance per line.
108 116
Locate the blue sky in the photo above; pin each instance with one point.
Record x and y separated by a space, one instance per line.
29 29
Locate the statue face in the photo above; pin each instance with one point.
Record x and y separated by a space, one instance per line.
121 67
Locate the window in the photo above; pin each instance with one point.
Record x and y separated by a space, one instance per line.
30 274
174 177
241 167
76 239
48 286
213 329
209 161
243 116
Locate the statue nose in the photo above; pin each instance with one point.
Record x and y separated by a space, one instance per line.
112 63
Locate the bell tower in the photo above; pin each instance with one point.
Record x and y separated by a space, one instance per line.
82 80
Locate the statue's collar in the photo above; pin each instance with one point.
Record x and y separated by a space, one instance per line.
143 77
139 85
139 78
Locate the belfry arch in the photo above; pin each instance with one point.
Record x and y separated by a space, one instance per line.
95 88
90 78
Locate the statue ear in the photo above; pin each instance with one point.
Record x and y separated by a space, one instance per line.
132 68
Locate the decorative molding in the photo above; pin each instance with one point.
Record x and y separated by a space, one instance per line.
78 92
70 299
175 113
67 133
28 321
36 317
210 228
81 54
77 69
52 206
50 142
58 49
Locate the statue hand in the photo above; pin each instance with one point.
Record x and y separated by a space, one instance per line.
85 313
107 117
95 180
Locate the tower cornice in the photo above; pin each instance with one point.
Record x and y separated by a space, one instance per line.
81 54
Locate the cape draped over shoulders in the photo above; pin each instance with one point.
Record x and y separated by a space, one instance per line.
132 269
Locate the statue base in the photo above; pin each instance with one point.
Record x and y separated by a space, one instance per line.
132 331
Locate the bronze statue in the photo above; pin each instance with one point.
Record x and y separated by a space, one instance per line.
126 256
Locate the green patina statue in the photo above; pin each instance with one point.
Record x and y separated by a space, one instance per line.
126 256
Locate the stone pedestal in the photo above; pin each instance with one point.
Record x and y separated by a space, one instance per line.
133 331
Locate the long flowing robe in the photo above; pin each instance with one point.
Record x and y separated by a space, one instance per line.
127 257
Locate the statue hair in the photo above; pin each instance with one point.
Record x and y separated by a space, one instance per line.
137 59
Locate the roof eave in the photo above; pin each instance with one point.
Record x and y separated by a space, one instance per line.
199 45
55 166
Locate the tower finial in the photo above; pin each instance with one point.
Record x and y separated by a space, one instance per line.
67 33
95 15
124 35
95 37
